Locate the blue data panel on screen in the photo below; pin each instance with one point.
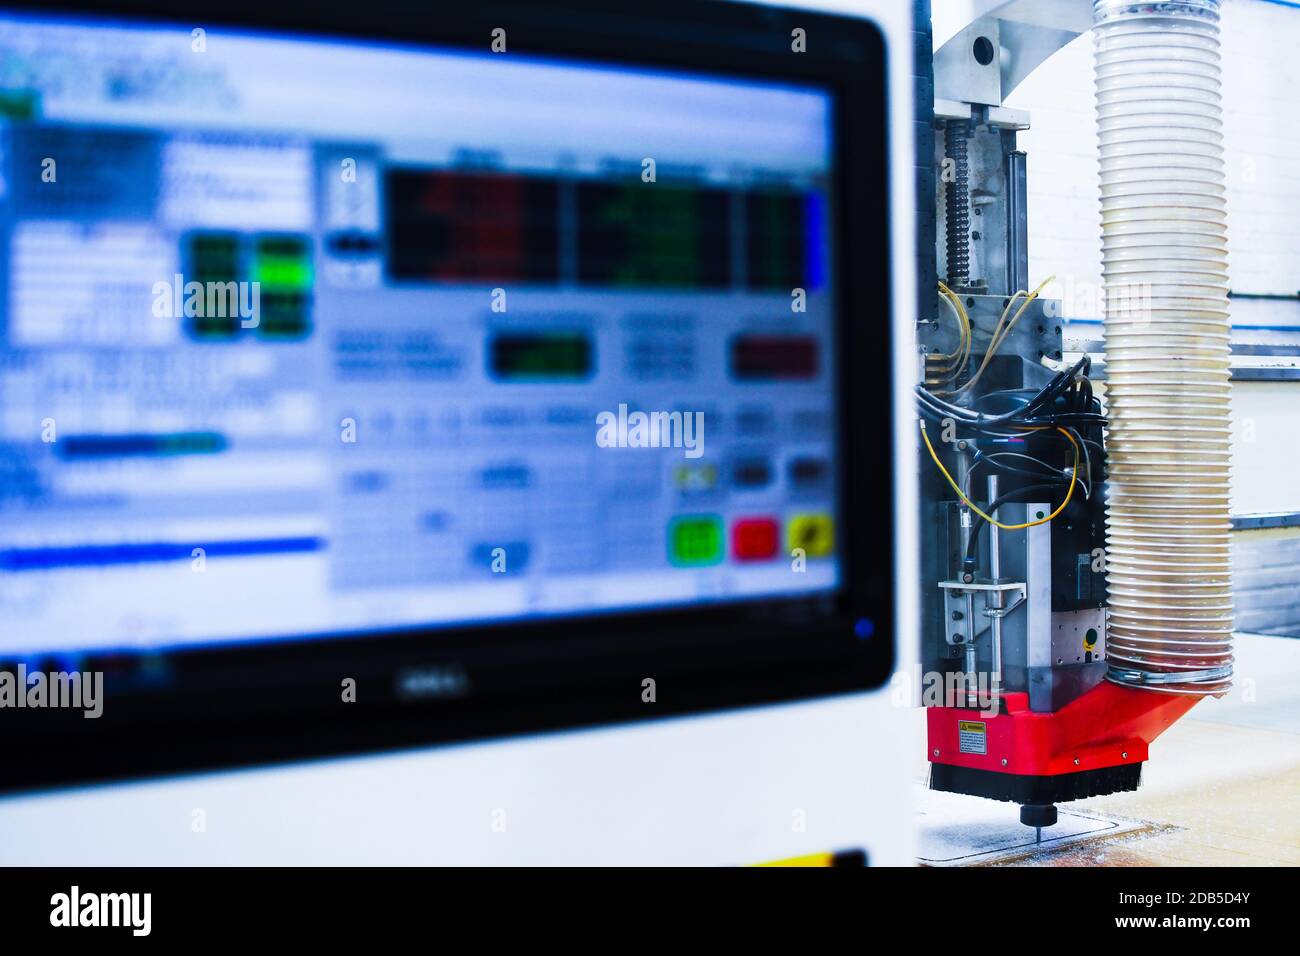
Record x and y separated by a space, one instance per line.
454 339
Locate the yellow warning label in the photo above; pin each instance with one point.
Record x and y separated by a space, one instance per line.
971 738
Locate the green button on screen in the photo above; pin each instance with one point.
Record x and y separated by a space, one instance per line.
694 540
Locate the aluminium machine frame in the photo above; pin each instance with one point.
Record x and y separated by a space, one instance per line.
1014 622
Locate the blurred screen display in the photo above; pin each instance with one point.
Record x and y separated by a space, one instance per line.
303 337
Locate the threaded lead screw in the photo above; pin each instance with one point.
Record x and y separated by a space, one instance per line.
957 203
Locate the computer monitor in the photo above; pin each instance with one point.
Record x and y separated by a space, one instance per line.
371 379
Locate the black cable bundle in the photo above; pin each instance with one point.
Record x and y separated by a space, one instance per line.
1066 402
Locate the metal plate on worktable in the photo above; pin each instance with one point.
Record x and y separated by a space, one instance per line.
955 830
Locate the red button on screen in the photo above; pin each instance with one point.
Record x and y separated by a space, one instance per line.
754 539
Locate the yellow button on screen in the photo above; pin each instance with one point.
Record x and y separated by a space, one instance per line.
815 534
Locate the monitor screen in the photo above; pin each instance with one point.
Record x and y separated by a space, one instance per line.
305 337
490 372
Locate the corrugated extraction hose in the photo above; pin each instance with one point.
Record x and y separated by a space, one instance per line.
1164 249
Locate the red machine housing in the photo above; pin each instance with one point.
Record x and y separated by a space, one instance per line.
1093 745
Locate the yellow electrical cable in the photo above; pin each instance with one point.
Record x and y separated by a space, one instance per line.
996 335
996 343
1000 334
995 339
942 368
1074 477
961 357
954 301
1029 297
963 337
964 348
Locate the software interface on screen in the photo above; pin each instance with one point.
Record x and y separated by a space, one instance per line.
304 337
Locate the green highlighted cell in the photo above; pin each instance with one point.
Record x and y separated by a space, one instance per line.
540 356
695 540
20 104
213 258
282 263
191 443
282 268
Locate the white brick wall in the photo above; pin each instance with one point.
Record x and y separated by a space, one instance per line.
1266 581
1261 79
1261 82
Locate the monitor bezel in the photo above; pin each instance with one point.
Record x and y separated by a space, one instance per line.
256 703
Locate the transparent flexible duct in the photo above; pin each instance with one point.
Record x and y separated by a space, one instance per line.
1164 255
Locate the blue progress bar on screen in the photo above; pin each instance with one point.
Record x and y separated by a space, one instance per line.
133 445
100 555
